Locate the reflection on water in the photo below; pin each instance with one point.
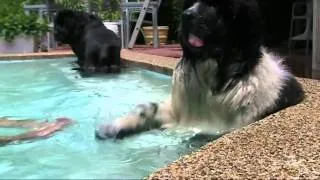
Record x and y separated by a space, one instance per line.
49 89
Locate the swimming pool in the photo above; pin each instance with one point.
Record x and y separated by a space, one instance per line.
47 89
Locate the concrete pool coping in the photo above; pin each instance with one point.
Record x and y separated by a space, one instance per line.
283 145
152 62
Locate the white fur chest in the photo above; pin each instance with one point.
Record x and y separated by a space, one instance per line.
194 104
192 100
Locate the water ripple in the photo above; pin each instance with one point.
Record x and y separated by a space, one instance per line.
49 89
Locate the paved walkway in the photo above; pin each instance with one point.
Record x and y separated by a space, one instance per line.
174 50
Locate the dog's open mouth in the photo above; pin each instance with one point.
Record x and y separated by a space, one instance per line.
195 41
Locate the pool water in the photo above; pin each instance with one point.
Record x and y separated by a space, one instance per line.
48 89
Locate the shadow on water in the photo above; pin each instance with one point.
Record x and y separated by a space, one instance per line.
199 140
111 73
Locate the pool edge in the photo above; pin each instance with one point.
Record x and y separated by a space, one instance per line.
154 63
35 56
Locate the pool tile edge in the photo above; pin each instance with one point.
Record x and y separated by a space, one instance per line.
32 56
155 63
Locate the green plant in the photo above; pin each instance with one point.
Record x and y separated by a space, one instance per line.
106 12
14 22
73 4
15 25
10 7
34 1
109 15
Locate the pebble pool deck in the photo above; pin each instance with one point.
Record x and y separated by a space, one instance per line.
283 145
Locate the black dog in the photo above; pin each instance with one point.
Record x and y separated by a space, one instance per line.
97 48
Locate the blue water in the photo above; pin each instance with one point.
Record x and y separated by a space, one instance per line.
48 89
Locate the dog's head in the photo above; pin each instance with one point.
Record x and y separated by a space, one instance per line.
69 25
216 28
201 28
229 31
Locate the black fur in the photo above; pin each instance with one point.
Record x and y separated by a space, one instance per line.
232 31
97 48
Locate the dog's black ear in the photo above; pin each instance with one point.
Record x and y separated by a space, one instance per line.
244 41
93 17
65 13
249 22
246 28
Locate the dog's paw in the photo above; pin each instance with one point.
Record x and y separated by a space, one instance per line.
109 69
137 121
112 131
115 69
106 131
91 69
104 69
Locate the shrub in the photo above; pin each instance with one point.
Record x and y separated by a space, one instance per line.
14 22
73 4
15 25
105 10
10 7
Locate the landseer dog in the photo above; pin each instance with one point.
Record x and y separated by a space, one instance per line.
96 47
225 80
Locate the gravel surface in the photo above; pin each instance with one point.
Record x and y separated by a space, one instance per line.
283 145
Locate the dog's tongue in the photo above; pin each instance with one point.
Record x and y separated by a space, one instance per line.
195 41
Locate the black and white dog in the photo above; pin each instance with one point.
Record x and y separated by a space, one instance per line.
226 79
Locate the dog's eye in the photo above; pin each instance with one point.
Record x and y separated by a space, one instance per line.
140 111
142 114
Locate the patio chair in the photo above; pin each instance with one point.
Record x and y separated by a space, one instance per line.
131 7
307 17
45 10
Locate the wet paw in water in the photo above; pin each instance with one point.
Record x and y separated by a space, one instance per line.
91 69
111 131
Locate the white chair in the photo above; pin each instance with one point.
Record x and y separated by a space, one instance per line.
128 9
307 17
